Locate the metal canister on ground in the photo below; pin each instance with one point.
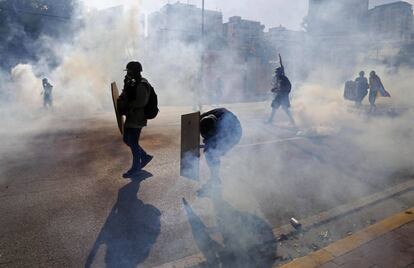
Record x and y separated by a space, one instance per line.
295 223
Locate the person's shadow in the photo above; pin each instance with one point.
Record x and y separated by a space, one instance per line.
248 241
130 230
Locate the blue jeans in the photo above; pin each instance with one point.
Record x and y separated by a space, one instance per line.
131 138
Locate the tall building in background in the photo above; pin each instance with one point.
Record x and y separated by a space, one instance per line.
348 31
336 16
392 22
246 35
182 22
290 45
391 33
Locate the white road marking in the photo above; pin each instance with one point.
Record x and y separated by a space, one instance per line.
270 142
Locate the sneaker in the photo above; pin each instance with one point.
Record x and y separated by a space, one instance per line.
131 173
146 160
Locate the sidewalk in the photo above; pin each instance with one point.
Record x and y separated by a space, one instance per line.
389 243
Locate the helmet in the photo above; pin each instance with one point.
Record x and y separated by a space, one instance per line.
280 71
208 124
134 67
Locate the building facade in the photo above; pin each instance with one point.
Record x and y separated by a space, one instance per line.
339 17
183 22
246 38
344 32
391 22
290 45
245 35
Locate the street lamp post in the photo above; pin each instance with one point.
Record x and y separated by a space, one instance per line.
202 55
202 18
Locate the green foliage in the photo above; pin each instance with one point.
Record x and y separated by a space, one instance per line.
36 16
22 22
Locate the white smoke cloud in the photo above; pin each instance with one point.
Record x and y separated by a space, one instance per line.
102 47
271 13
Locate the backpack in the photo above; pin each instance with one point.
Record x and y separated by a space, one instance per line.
151 109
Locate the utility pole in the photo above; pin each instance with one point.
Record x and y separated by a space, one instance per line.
200 94
202 19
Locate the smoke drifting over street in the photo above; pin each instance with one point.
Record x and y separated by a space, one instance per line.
187 73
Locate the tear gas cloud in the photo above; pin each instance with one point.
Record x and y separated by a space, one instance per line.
100 49
106 42
97 56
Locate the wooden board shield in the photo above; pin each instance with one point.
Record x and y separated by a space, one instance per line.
350 92
190 146
119 117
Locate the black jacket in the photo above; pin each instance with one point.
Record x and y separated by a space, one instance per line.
136 94
227 132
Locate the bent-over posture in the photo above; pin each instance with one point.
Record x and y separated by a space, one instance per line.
221 131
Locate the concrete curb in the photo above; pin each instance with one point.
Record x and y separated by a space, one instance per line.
312 222
352 242
347 209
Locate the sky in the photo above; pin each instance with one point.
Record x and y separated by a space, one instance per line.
271 13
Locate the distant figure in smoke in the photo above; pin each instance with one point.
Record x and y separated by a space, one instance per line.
221 131
376 89
361 88
134 98
281 89
47 93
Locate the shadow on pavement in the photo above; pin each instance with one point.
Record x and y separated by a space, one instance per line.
130 230
247 240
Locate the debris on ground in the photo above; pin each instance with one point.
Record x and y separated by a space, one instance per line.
315 247
283 237
295 223
324 235
282 259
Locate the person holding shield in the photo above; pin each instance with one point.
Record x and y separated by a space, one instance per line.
221 131
132 102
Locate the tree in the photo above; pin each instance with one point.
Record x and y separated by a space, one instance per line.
22 22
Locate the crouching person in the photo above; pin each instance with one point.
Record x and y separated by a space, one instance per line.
221 131
135 96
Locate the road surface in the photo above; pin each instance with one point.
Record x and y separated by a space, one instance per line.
64 203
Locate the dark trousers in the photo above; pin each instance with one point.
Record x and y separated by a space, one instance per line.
372 99
47 101
213 162
131 138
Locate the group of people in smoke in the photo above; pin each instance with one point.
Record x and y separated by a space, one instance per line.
375 86
221 130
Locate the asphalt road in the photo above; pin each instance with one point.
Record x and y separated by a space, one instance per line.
63 202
